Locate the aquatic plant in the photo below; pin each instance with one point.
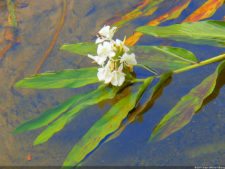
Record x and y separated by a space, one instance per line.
116 77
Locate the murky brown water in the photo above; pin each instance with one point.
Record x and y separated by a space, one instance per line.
37 21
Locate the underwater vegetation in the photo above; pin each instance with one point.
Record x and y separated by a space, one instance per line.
115 77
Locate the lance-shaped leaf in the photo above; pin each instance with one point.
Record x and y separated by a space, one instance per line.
86 100
164 58
109 122
142 108
173 13
205 11
82 49
50 115
144 8
73 78
182 113
205 32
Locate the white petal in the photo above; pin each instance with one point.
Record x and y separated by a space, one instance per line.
128 59
99 40
108 77
121 79
100 74
105 49
112 31
107 45
100 60
118 42
99 49
105 31
118 78
111 54
91 56
104 74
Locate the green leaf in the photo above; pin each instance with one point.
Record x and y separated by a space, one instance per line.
73 78
142 108
164 58
49 116
182 113
82 49
85 100
103 127
205 32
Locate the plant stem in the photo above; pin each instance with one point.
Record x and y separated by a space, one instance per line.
196 65
137 80
202 63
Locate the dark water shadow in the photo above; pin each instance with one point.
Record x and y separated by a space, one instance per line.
141 109
137 113
219 84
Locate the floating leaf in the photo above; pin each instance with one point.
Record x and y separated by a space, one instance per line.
171 14
205 11
71 78
103 127
50 115
82 49
184 110
145 8
164 58
88 99
205 32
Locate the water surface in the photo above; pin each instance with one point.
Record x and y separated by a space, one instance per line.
201 142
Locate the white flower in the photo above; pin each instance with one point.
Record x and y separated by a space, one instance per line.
128 59
118 77
112 56
100 60
105 50
120 43
104 74
106 33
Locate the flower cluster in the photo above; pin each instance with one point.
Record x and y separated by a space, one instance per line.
113 56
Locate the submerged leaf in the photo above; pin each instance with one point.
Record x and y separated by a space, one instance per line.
205 11
85 100
164 58
48 116
182 113
82 49
103 127
144 8
73 78
205 32
171 14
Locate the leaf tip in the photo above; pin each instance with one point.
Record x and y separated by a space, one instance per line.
18 130
18 84
62 47
38 141
15 131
